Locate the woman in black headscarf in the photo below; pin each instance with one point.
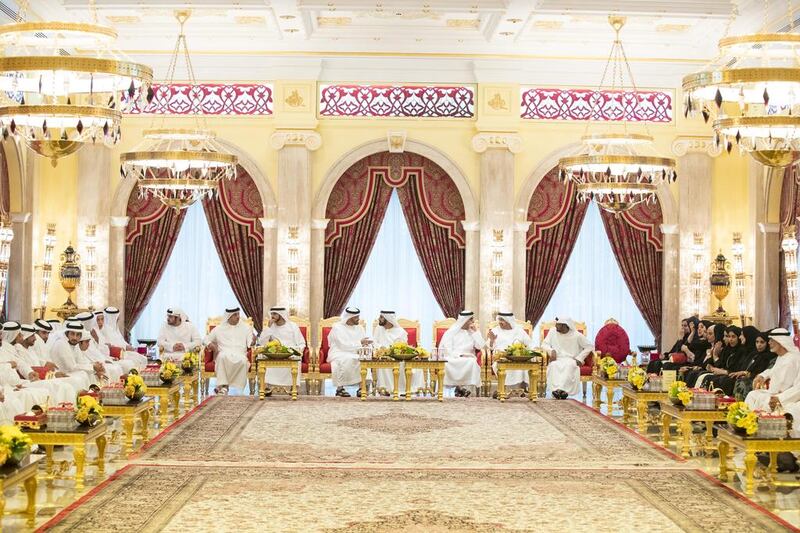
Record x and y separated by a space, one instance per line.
688 334
760 359
715 335
695 348
739 358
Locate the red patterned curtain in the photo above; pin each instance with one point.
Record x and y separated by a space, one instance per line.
151 234
355 209
433 209
556 218
790 210
233 218
637 242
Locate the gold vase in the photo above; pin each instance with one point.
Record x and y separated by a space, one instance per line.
720 281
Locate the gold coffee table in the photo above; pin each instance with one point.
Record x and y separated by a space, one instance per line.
379 364
752 445
191 389
24 473
129 412
292 364
429 366
683 419
641 398
165 394
598 382
534 369
77 437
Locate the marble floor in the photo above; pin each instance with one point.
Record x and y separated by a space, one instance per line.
53 495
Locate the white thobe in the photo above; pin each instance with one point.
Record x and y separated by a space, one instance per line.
186 333
70 360
110 336
505 338
782 376
59 389
12 405
29 397
41 350
231 365
289 335
114 369
571 350
345 342
383 338
78 380
458 346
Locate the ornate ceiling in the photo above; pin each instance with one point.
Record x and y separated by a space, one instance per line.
529 41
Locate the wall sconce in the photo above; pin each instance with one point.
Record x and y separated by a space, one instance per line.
739 276
698 268
90 264
789 247
47 269
293 266
6 236
497 270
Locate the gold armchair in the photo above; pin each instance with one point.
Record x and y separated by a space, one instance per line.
589 365
306 365
321 365
207 370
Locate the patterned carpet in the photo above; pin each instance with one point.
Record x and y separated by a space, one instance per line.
474 433
237 464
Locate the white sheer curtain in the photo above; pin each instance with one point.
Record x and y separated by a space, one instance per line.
193 280
393 278
592 289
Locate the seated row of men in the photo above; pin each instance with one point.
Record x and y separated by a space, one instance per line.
347 340
72 357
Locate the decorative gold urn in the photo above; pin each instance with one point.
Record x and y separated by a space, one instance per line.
69 273
720 282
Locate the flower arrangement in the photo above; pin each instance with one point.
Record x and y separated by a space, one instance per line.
275 349
679 393
742 419
14 445
168 372
400 350
189 362
637 377
608 366
135 387
88 411
518 351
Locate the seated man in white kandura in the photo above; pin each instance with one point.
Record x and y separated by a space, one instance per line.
228 343
110 335
345 340
506 333
458 347
386 333
288 333
782 376
177 336
567 348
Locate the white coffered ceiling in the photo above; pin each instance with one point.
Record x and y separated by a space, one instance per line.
529 41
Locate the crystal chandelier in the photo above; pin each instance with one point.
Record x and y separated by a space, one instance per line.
56 99
617 170
752 90
179 166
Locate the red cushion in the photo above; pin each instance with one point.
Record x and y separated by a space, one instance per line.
678 358
588 365
586 370
115 352
208 360
412 336
323 350
325 368
40 370
142 350
612 340
440 333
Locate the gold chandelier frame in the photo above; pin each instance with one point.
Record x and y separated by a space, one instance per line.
203 156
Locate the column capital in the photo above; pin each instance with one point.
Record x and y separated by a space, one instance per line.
670 229
119 222
695 144
268 223
766 227
308 138
20 218
319 223
471 225
508 141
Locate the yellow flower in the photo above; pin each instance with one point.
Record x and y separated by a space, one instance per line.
685 396
130 390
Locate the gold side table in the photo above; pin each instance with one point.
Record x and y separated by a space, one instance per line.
379 364
24 473
191 389
129 412
640 398
683 419
534 369
292 364
752 445
166 394
429 367
598 382
77 437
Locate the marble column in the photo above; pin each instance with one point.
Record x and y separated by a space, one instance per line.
766 312
269 297
19 286
520 266
496 220
472 266
317 274
670 285
93 208
293 230
118 226
694 214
